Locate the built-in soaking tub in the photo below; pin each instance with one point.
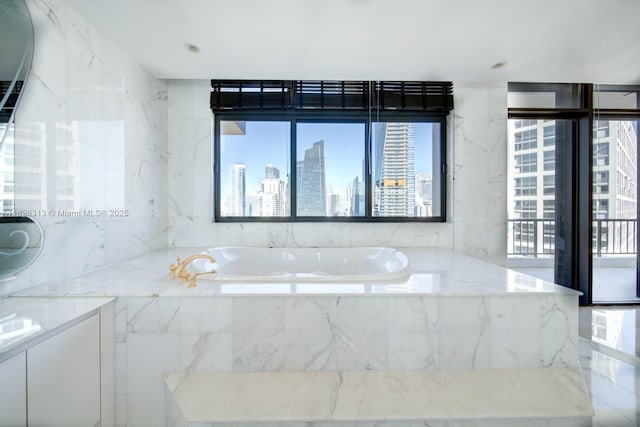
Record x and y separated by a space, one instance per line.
304 264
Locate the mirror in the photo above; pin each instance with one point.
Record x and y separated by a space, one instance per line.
21 240
16 53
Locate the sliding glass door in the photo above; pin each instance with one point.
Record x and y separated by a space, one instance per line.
540 183
615 211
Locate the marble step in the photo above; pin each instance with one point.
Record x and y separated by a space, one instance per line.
497 397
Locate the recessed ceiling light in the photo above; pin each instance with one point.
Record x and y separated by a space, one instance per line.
499 65
192 48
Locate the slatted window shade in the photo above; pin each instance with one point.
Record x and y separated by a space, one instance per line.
331 95
414 96
265 95
257 95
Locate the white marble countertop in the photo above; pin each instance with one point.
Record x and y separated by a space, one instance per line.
25 319
435 272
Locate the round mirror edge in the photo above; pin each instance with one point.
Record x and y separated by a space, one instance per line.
12 274
24 68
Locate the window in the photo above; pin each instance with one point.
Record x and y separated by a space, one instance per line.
330 158
329 151
549 209
600 209
525 209
549 185
549 134
526 186
524 123
254 159
526 162
549 160
601 182
403 155
526 140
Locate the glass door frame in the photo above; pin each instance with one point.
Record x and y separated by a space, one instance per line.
576 102
623 115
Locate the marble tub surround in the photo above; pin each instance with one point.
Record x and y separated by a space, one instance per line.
434 272
483 396
27 319
453 313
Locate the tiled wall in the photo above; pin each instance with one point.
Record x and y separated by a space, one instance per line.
477 152
90 135
95 131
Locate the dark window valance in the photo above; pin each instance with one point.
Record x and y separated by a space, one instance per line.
266 95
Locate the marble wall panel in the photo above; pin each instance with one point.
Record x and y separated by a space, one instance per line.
91 134
476 223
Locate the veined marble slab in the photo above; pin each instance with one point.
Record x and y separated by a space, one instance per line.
25 319
435 272
217 397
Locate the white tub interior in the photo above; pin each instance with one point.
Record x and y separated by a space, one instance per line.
304 264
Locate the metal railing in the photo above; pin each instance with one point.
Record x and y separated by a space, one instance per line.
536 236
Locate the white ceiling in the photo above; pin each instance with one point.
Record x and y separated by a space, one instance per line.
541 40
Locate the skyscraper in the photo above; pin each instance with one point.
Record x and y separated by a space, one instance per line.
394 175
272 196
424 195
311 187
271 172
357 197
238 186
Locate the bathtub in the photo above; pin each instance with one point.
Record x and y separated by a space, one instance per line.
252 264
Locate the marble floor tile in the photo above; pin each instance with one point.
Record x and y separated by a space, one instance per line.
610 365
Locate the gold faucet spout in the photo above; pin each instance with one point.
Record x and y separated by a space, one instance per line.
192 280
178 269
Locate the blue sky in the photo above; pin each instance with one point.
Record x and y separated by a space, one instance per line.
268 142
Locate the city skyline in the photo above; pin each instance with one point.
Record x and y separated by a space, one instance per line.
342 168
265 142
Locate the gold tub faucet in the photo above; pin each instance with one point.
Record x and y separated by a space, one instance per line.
178 270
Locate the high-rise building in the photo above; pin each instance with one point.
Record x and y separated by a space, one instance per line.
238 187
357 205
272 196
311 184
614 170
337 204
532 184
394 174
271 172
424 195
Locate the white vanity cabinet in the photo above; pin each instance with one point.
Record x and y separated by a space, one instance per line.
60 372
63 377
13 391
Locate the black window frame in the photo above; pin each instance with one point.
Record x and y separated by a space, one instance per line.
368 116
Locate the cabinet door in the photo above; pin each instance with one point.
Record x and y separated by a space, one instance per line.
13 391
63 377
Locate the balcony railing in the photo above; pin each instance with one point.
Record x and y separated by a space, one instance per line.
536 236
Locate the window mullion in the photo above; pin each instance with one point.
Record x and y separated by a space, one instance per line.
293 179
368 186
